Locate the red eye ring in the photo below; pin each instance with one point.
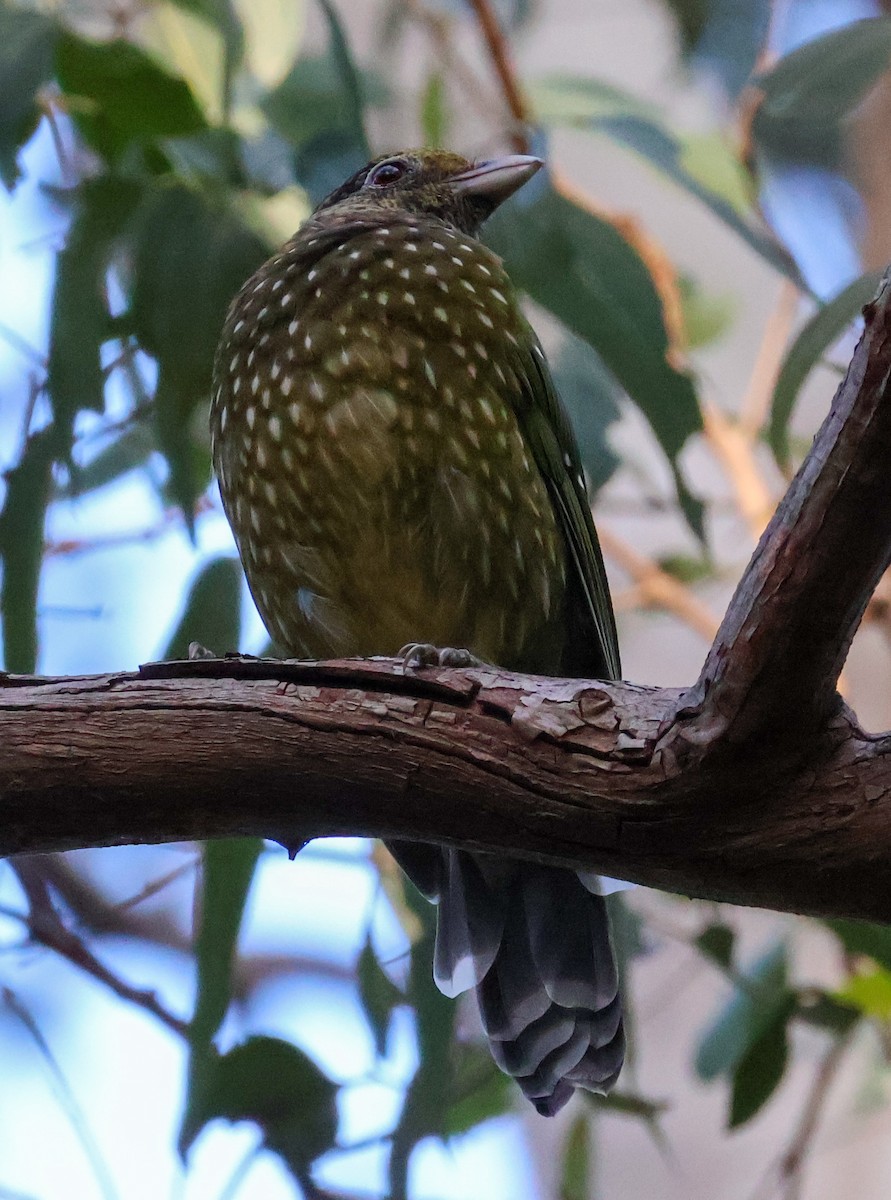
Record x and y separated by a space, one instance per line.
386 173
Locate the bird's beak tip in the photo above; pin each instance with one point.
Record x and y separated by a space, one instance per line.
497 178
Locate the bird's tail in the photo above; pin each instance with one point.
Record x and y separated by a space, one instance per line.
534 943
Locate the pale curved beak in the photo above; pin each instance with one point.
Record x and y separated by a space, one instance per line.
496 179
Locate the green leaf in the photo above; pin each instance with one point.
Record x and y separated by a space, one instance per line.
118 94
190 260
870 993
212 614
627 1104
811 91
434 113
865 937
28 490
578 99
80 318
229 866
591 398
725 36
581 269
818 335
379 995
426 1100
686 567
575 1182
826 1011
274 1084
130 449
762 993
481 1091
706 317
223 16
760 1070
716 943
665 152
319 108
27 54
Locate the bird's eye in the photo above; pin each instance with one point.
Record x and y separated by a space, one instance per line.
386 173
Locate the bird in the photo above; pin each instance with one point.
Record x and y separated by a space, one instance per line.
401 477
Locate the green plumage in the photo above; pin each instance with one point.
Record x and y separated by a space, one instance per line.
392 455
397 467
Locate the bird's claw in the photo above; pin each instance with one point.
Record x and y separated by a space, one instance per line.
424 654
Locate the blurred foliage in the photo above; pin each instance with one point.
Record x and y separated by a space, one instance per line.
171 162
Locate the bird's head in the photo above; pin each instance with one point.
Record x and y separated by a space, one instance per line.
434 183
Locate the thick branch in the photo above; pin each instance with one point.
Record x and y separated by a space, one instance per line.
756 787
773 667
564 771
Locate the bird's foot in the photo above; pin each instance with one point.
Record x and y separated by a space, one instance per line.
424 654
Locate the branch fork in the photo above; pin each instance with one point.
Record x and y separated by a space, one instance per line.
755 786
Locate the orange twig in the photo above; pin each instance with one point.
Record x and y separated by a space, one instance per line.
499 52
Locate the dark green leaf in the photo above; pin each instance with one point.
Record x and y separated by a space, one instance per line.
865 937
118 94
760 1070
379 995
319 108
827 1012
426 1101
580 268
276 1085
228 871
827 77
213 611
811 91
229 867
28 490
190 260
664 151
575 1182
822 330
130 449
481 1091
591 397
27 54
80 316
716 943
731 39
691 17
761 994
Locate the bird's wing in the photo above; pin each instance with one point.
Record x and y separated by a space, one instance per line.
548 433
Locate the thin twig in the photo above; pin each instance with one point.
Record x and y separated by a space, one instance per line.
154 886
22 345
499 52
734 450
756 400
45 926
787 1173
656 588
66 1097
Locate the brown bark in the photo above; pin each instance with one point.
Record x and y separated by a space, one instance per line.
756 786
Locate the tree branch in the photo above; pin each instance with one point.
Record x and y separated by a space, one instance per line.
756 787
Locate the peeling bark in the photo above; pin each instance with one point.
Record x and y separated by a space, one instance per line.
755 786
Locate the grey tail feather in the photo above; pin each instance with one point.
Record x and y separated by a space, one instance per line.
534 943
